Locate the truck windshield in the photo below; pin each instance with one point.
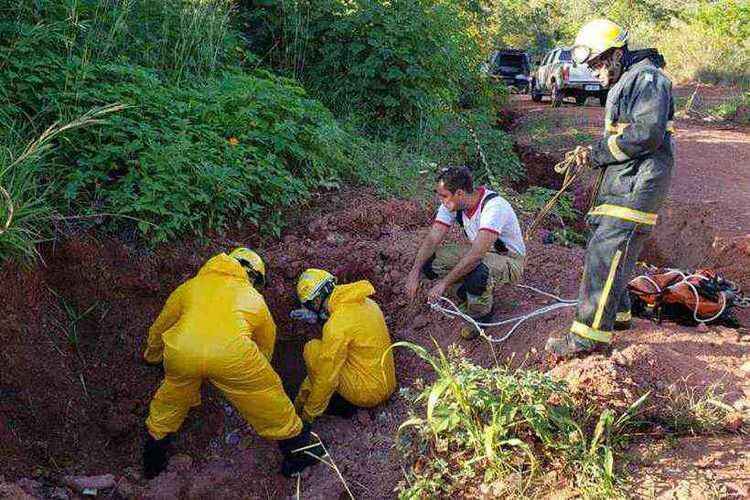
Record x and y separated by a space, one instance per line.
565 56
516 60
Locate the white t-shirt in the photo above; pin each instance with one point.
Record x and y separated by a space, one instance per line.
496 215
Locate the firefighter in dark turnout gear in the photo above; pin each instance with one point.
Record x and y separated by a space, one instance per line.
637 155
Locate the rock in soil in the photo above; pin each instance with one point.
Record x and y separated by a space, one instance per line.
80 483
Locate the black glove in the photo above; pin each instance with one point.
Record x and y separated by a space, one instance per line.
154 456
296 461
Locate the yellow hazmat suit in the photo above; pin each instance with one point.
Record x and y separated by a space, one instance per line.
347 359
217 326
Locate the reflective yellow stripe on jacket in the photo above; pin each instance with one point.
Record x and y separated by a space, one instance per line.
619 128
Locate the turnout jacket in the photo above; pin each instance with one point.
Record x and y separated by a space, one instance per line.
637 150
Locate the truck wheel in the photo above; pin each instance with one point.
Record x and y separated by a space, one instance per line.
581 99
536 96
557 96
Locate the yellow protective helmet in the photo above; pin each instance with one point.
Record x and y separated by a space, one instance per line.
314 282
252 263
597 37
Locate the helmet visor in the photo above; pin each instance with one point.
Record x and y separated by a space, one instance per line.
581 54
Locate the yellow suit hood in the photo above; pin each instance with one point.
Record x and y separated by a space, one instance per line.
353 293
223 264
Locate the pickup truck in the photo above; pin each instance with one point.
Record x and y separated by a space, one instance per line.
559 77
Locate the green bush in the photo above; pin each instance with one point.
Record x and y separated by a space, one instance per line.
465 138
182 38
25 212
398 61
185 156
709 43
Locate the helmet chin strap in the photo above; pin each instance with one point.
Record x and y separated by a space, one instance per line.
320 311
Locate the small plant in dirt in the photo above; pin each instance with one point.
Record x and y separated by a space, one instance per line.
73 317
506 432
736 109
691 410
535 197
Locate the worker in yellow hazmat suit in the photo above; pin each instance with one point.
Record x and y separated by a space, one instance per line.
351 366
217 326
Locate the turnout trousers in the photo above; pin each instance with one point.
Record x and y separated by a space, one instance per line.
611 256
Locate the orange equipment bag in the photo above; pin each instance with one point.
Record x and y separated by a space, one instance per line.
702 296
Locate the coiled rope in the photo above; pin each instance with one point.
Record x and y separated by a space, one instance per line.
453 310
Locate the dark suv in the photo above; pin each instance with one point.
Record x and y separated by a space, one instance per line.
512 67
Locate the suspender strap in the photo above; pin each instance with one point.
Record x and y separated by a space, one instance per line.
499 245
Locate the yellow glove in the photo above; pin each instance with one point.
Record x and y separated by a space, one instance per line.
153 357
306 417
580 157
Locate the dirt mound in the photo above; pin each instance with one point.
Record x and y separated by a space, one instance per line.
663 360
600 380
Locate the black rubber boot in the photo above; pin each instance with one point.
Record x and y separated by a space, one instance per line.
572 345
623 325
154 456
295 452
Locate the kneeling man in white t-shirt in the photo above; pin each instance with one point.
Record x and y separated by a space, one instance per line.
494 255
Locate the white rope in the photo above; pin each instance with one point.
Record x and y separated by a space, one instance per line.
480 327
697 299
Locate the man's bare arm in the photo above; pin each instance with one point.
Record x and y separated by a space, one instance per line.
429 245
426 250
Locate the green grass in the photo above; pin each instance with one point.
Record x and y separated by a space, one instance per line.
511 432
553 132
26 212
692 410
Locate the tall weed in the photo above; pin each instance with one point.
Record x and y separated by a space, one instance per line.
509 432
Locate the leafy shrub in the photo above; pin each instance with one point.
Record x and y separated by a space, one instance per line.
710 42
502 430
25 211
400 61
186 156
465 137
535 197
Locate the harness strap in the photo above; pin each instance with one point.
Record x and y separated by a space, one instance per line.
500 247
